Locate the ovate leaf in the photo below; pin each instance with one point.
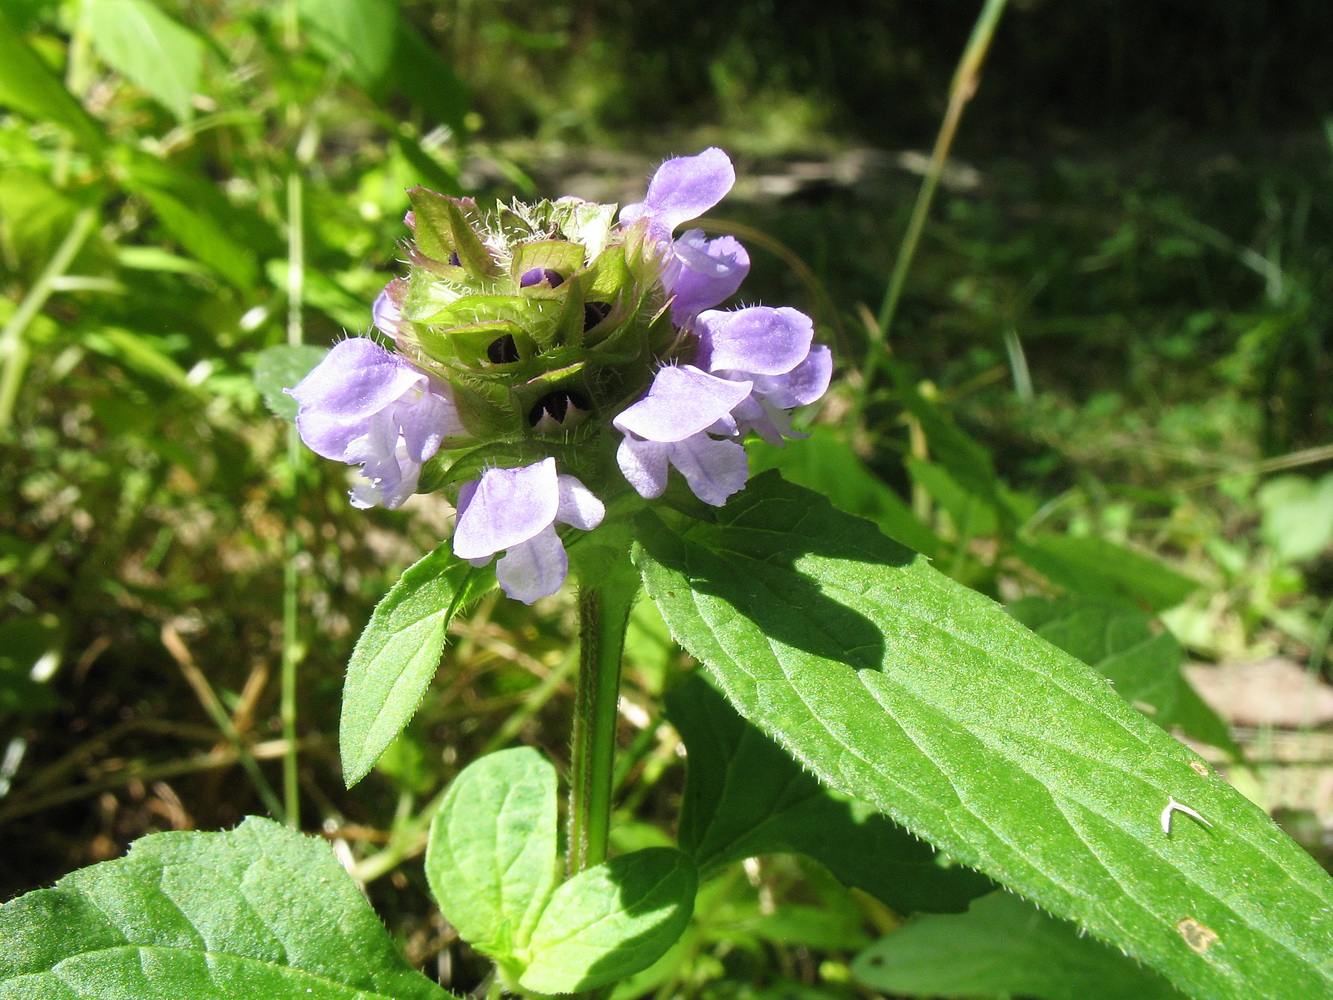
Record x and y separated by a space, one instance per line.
902 688
492 858
282 367
398 653
142 43
745 796
1002 947
261 911
611 921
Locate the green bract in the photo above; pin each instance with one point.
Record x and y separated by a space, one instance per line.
542 318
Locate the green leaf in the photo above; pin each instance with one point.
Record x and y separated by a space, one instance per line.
897 686
28 86
1297 516
428 80
358 35
611 920
193 212
398 653
145 45
282 367
260 911
1003 946
1094 567
1139 656
745 797
825 462
493 855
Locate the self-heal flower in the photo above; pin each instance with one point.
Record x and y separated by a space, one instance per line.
365 406
515 511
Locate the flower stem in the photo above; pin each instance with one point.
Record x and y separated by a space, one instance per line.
603 617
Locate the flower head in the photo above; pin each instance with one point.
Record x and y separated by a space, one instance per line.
527 333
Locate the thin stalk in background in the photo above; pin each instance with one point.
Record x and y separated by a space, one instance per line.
603 618
291 648
965 80
13 345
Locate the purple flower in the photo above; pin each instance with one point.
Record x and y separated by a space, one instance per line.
365 406
698 273
760 364
516 511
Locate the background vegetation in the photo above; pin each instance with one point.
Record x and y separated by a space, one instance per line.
1121 303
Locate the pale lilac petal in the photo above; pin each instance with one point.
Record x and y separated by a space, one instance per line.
578 506
681 401
757 340
682 189
535 568
801 386
768 423
714 469
507 507
356 380
387 313
703 273
644 465
427 421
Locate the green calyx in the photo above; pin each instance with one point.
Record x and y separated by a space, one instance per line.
545 320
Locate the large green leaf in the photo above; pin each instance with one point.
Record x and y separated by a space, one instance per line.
138 40
28 86
398 653
745 796
898 686
258 912
493 855
1002 947
611 921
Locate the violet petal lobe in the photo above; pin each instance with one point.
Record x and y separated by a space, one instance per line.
578 506
714 469
801 386
534 568
682 189
386 313
508 506
703 273
756 340
356 380
644 465
681 401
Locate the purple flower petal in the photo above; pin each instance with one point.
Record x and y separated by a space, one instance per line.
507 507
644 465
681 401
802 385
682 189
386 313
535 568
703 273
757 340
578 506
713 469
356 380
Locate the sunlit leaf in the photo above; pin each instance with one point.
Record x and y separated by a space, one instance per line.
899 687
144 44
398 653
261 911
